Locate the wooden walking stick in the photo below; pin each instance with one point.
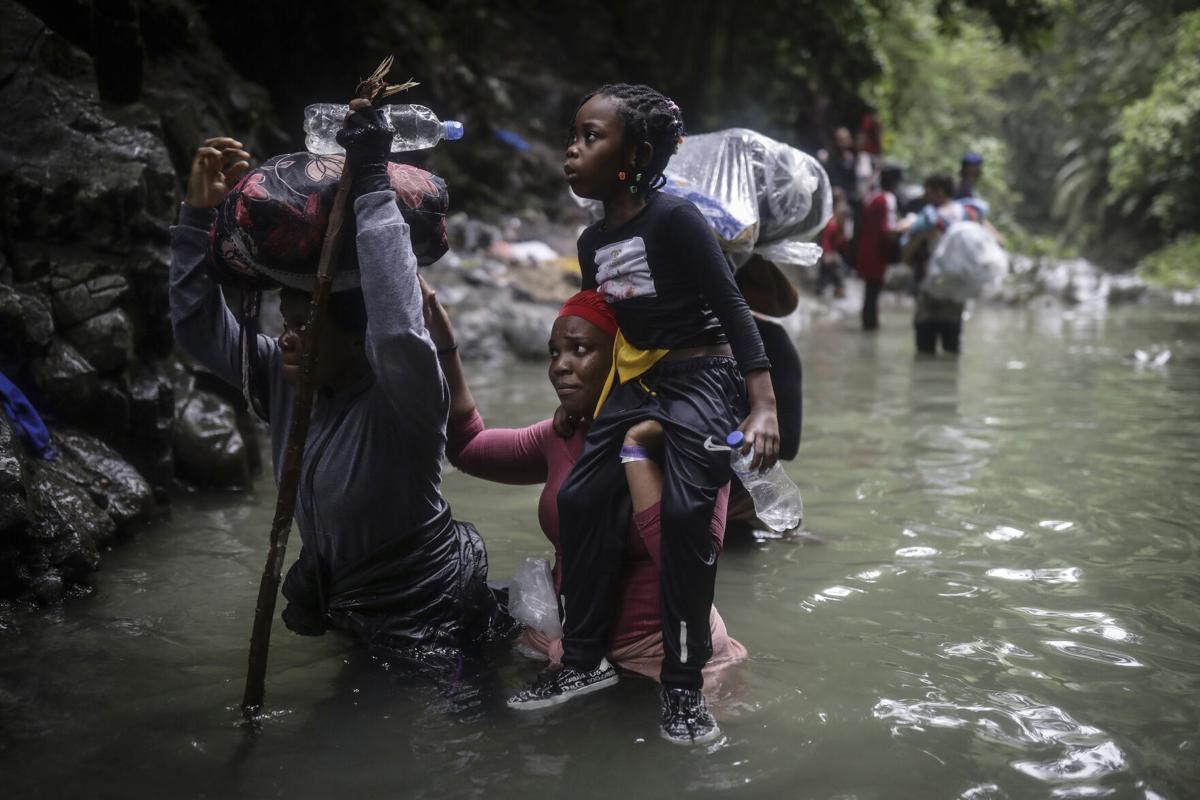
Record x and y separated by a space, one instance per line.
372 89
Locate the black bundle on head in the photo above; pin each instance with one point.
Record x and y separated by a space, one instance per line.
650 117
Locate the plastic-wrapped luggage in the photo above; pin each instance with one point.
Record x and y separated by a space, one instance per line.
966 260
270 229
759 195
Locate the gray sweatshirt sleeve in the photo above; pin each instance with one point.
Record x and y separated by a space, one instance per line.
204 326
399 348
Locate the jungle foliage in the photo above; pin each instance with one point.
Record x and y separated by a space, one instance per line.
1086 111
1089 125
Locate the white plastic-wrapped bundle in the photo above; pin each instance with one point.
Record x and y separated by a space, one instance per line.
759 195
966 259
755 192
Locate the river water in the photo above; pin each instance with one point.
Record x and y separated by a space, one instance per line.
1006 605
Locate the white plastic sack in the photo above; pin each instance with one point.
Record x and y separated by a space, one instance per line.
754 192
752 189
966 260
791 252
531 598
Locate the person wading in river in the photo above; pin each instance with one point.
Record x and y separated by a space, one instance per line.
381 557
580 345
682 321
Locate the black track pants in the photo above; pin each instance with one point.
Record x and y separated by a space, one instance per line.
693 399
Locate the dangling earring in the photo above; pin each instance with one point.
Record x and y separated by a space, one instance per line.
636 180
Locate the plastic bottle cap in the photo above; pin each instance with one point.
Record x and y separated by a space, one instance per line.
453 129
735 439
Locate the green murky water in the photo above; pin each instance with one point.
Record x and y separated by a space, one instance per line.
1007 605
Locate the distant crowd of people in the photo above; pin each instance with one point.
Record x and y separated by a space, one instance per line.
873 226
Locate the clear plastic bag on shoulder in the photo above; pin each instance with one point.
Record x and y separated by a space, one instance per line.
757 194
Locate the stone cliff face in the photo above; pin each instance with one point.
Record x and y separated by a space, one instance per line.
101 119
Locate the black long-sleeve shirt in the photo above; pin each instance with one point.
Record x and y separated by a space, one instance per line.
671 288
787 379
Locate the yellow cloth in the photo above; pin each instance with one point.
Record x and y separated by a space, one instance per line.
628 363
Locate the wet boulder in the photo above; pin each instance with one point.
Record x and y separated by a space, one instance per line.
209 448
111 482
47 586
66 379
14 506
478 333
69 527
151 404
25 318
1126 288
526 329
87 299
112 407
105 340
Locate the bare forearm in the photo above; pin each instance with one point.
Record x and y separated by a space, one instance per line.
462 402
760 391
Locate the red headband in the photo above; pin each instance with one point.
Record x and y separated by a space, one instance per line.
589 305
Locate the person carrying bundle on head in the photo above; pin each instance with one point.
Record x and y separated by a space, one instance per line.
381 557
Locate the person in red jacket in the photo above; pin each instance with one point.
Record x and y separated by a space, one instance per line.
877 235
834 241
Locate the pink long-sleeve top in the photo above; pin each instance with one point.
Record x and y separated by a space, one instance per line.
537 455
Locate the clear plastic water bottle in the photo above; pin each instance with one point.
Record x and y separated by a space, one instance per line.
417 128
776 498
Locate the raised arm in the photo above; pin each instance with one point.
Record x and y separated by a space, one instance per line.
398 346
203 324
514 456
715 281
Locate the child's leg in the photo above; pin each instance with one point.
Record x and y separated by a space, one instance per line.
594 512
697 404
641 472
689 559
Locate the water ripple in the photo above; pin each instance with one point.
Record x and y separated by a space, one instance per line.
1059 575
1094 654
1082 764
1004 533
1111 632
984 650
1084 752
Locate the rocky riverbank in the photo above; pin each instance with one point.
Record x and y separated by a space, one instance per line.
90 183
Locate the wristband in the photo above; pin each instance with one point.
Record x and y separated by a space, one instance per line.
633 452
445 351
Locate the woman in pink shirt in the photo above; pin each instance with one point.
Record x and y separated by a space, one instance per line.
580 356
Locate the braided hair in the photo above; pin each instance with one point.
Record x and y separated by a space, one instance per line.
651 118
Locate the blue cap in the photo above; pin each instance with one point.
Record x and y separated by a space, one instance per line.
972 159
735 439
452 130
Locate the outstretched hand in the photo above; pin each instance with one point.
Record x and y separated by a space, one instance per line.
218 165
437 321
